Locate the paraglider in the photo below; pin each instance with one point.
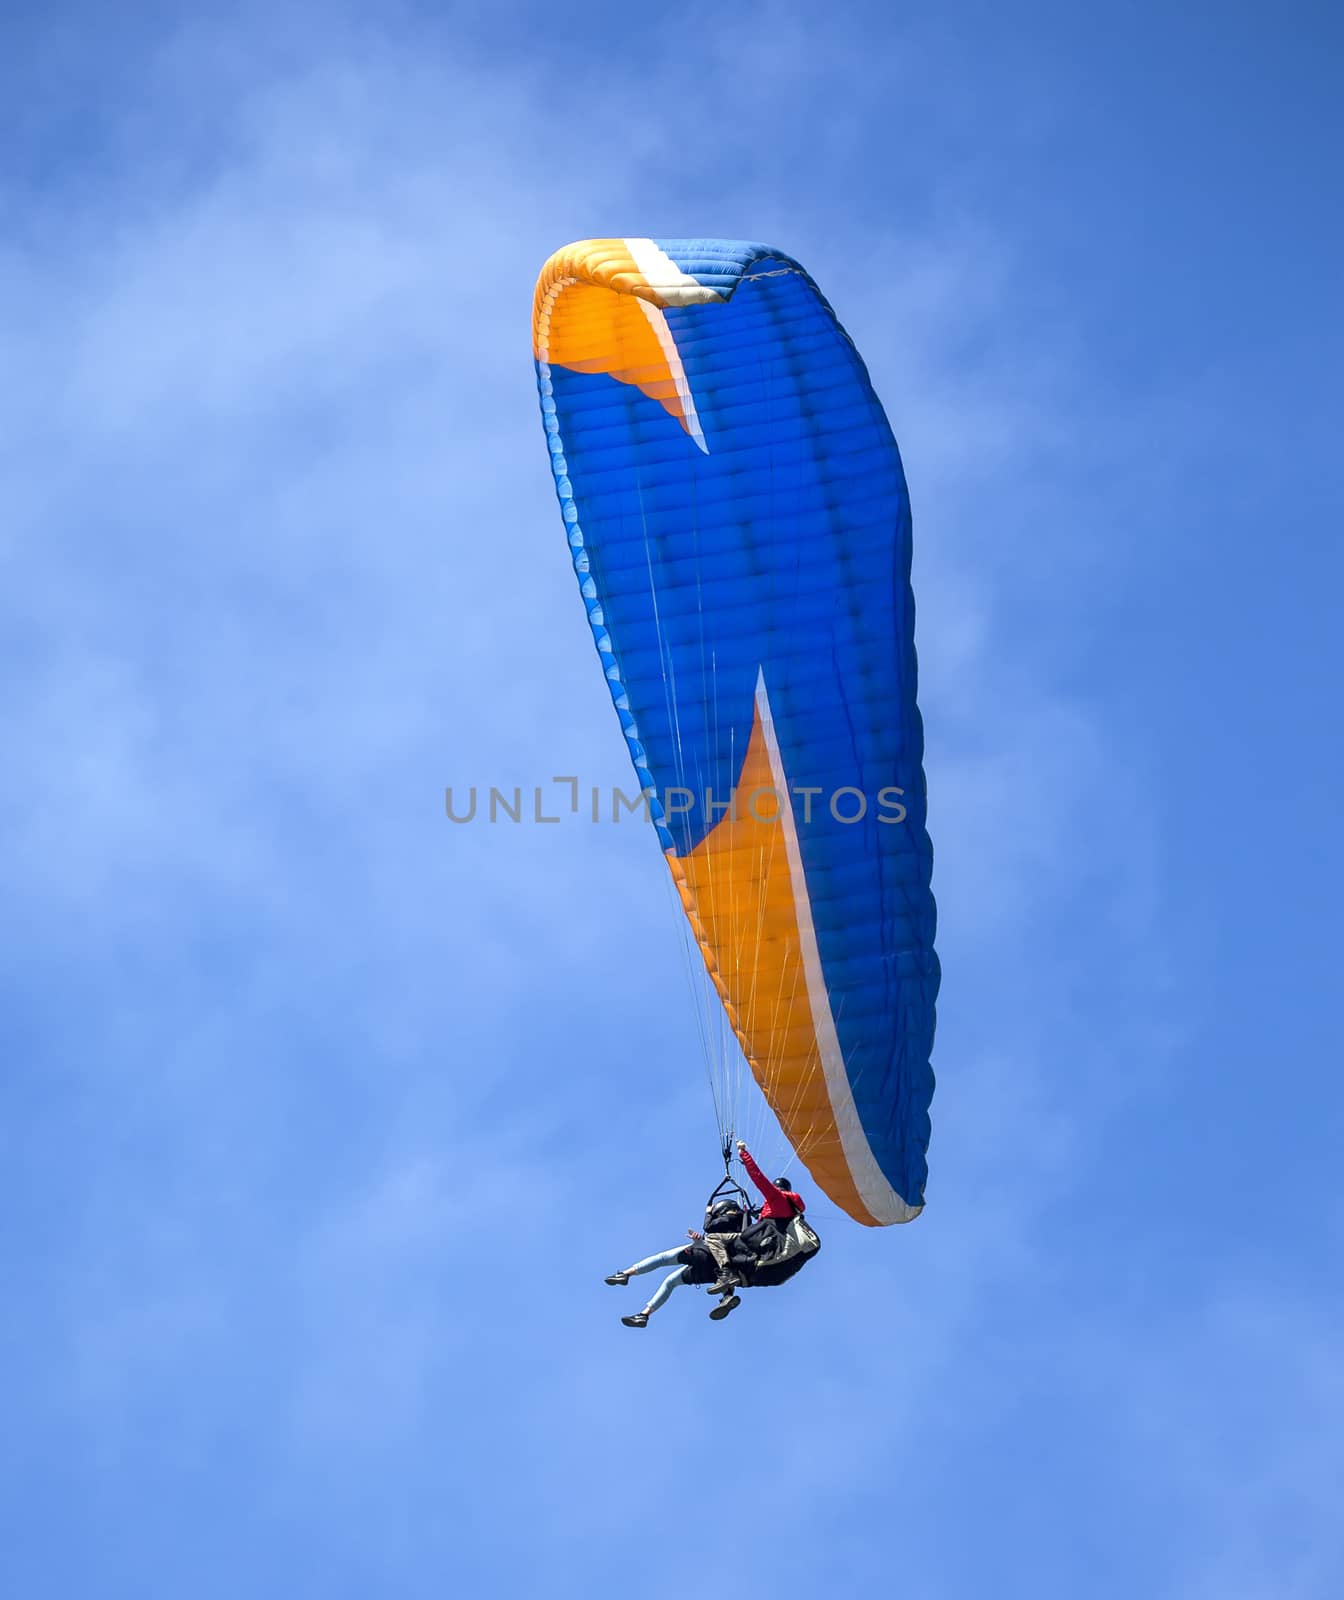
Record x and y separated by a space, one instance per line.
742 1246
739 523
703 1261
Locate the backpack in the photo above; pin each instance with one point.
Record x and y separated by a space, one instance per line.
778 1250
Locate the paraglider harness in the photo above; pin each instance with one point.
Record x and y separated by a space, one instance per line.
728 1211
763 1251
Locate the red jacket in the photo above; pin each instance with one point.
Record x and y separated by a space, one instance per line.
780 1204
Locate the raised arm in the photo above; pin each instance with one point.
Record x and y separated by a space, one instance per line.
770 1191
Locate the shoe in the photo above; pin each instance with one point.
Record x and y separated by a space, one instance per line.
725 1285
721 1310
618 1278
640 1320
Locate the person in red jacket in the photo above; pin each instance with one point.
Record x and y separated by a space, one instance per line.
781 1201
780 1204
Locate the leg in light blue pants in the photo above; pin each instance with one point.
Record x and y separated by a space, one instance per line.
665 1258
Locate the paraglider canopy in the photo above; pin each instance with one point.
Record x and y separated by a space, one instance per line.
739 523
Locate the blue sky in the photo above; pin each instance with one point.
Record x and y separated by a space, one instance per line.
323 1119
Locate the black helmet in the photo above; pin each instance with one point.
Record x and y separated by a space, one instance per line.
784 1183
724 1208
